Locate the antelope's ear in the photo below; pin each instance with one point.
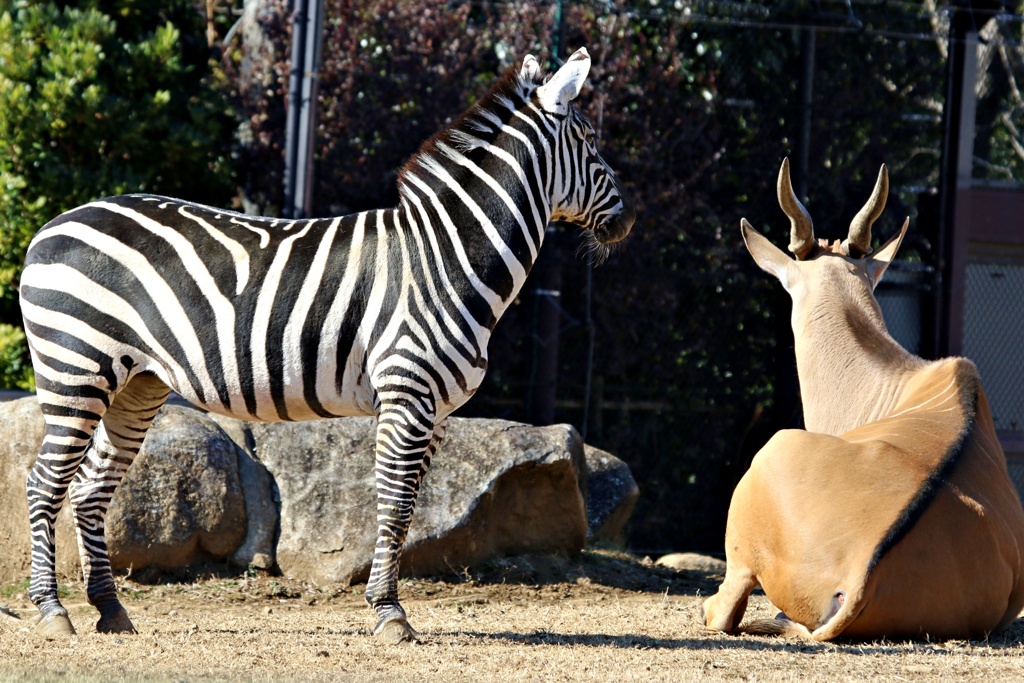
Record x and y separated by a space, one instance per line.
768 257
565 85
530 70
880 260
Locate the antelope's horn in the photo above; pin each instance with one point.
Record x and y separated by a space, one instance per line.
801 237
858 244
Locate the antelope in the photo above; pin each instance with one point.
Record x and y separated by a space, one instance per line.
893 515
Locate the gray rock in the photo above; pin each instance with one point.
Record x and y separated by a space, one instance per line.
181 501
262 500
612 496
302 496
495 487
692 562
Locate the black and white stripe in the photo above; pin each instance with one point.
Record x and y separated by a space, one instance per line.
385 313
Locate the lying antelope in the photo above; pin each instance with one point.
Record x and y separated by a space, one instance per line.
893 515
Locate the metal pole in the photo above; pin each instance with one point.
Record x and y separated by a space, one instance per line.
803 150
961 23
300 125
546 279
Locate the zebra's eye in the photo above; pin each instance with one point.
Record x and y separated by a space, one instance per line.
589 137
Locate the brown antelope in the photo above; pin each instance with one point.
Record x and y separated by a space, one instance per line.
893 515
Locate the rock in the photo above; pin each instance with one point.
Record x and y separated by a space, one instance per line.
611 496
301 496
262 499
692 562
181 501
23 433
495 487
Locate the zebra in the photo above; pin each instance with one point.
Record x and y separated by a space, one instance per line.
385 312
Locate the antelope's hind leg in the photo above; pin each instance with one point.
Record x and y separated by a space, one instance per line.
405 446
115 444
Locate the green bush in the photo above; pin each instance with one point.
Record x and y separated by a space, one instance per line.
97 99
15 371
86 112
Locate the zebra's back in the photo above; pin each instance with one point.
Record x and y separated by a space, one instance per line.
246 316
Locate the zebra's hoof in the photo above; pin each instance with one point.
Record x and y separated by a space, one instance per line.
55 626
118 622
395 631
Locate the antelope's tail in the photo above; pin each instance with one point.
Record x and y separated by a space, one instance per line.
779 626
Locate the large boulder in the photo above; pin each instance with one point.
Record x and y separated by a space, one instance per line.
301 496
612 495
181 502
495 487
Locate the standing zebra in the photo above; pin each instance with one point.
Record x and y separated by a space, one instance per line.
385 313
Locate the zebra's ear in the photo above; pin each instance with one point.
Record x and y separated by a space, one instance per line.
565 85
530 71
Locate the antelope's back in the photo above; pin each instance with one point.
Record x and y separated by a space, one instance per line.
913 517
957 554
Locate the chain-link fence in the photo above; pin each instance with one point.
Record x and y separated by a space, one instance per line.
902 295
994 338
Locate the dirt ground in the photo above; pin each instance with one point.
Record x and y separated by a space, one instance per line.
601 617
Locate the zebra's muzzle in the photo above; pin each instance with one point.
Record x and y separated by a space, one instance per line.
618 226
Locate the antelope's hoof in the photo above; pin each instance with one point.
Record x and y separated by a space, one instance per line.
55 626
118 622
395 631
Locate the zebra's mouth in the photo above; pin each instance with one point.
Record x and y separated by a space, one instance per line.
616 227
592 248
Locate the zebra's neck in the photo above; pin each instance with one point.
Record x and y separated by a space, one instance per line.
486 209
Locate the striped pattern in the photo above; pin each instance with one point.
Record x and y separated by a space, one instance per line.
386 313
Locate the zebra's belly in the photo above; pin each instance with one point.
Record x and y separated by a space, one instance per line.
357 390
284 401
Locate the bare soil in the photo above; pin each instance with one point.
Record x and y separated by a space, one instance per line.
604 616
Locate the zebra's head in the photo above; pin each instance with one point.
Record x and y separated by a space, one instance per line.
526 142
585 190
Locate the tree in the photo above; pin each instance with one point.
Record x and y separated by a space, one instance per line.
96 99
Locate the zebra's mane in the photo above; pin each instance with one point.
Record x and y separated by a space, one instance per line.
479 124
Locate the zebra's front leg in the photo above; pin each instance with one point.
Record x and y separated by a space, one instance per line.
404 449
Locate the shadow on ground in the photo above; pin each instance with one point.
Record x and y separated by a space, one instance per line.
614 569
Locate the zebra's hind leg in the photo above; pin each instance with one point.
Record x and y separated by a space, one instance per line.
404 450
71 417
114 446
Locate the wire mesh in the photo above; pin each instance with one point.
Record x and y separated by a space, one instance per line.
994 337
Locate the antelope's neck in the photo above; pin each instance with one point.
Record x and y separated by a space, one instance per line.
851 371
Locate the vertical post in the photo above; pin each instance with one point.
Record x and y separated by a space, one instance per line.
803 148
301 118
788 408
954 174
547 323
546 279
556 51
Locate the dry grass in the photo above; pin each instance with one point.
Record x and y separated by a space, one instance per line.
603 617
